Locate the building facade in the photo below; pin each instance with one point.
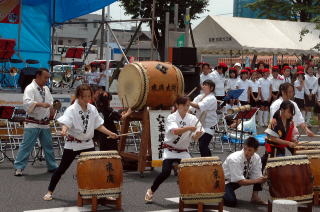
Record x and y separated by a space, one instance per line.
78 35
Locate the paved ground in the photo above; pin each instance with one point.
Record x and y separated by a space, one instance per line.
25 193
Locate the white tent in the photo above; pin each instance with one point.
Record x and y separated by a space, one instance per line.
233 35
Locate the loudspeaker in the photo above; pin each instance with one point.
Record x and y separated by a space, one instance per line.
191 76
184 56
26 76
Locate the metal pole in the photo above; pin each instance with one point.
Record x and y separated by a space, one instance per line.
115 38
176 11
108 55
95 37
166 37
111 21
19 30
152 27
187 21
102 33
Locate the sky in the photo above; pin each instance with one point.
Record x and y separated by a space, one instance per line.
216 7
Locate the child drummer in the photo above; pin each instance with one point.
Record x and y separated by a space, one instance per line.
78 124
281 132
181 127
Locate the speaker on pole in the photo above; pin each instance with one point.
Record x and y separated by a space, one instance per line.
191 76
185 56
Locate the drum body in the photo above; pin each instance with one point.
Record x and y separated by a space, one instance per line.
290 178
201 180
314 158
99 174
150 83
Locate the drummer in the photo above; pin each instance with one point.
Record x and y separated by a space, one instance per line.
282 133
80 120
181 127
204 107
286 92
243 168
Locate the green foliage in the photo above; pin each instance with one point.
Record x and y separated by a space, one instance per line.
132 7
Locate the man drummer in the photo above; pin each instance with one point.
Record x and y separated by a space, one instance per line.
243 168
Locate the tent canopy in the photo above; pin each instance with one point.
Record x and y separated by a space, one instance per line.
37 18
233 35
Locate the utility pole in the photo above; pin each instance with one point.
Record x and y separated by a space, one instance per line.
102 33
152 27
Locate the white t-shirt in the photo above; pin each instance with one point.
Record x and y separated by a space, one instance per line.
297 118
91 77
236 167
175 121
219 80
275 83
254 86
231 83
265 84
287 79
310 83
206 77
81 125
104 81
31 96
243 84
298 94
208 107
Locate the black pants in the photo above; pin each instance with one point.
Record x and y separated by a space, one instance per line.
230 198
108 144
67 158
165 173
204 142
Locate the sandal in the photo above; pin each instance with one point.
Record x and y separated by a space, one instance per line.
47 197
149 195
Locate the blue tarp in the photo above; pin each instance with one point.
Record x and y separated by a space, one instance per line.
37 19
259 137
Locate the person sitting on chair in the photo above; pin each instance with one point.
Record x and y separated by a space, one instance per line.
243 168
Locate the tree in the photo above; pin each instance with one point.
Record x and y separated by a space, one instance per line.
292 10
144 10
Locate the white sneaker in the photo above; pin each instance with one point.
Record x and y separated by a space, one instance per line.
18 172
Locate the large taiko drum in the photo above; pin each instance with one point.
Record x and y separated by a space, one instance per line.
314 158
201 180
307 145
150 83
99 174
290 178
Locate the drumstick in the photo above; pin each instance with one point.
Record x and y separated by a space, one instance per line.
191 92
125 134
200 118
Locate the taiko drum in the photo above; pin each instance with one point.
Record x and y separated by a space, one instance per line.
201 180
150 83
99 174
290 178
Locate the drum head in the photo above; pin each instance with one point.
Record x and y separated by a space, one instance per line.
132 85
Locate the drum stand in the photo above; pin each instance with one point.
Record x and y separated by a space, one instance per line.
94 201
301 208
200 206
144 155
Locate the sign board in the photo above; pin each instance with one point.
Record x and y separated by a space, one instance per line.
157 132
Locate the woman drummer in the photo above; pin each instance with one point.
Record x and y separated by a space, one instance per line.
78 124
181 127
205 109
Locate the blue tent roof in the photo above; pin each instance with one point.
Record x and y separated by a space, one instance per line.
37 18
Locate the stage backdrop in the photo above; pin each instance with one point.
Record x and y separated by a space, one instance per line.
37 18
